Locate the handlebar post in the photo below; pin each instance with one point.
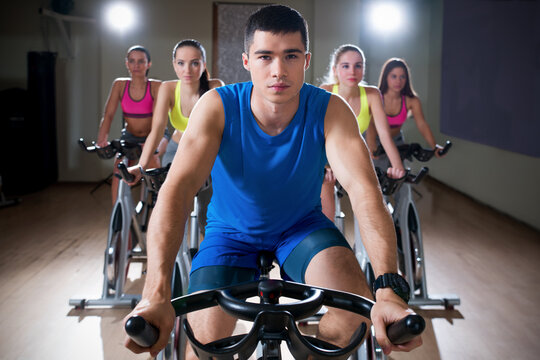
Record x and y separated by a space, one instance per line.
125 173
270 291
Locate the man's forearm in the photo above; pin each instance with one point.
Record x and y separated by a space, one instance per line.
377 232
165 233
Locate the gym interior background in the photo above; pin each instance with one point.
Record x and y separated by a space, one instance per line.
91 56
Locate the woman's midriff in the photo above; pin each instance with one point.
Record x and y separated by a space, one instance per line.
139 127
395 131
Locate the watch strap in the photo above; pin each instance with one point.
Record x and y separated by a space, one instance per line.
390 280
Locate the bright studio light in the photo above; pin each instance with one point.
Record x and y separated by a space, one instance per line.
386 17
120 16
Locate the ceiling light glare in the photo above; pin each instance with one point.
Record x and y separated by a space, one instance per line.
386 17
120 16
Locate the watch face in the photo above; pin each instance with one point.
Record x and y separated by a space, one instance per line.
401 288
396 282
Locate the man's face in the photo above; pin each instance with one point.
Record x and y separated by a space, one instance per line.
277 63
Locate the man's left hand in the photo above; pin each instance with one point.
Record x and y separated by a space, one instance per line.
385 312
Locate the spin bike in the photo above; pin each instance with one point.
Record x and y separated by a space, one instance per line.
154 179
126 241
176 346
369 349
399 200
273 322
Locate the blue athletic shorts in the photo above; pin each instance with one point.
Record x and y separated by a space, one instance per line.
227 258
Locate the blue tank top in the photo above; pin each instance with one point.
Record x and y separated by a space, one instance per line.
263 184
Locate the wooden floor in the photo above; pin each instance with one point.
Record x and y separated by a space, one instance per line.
51 249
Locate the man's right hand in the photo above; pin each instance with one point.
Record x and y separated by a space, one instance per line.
158 313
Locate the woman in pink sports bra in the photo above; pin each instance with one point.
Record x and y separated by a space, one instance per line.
399 99
136 95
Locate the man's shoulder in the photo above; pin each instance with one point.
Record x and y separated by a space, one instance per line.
235 88
234 97
314 93
312 90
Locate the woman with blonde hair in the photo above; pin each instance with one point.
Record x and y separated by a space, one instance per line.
345 78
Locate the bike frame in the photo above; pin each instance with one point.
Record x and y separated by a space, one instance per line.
406 210
180 281
124 234
400 203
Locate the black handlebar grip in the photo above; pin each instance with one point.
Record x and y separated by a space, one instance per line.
125 173
83 146
416 179
446 147
406 329
141 331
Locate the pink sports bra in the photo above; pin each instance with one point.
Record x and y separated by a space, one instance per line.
137 109
399 119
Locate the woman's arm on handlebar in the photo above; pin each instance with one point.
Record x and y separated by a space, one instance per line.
383 129
110 109
164 102
422 125
162 105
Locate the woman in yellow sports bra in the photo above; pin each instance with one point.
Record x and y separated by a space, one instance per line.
176 99
345 75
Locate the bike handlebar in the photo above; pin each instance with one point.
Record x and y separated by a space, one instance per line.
408 151
154 178
130 150
390 185
105 152
311 300
125 173
141 331
446 147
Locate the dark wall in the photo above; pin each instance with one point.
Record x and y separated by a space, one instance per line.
491 73
28 145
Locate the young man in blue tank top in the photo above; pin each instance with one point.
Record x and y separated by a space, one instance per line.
265 143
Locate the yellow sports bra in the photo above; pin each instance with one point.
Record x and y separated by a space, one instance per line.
363 117
178 120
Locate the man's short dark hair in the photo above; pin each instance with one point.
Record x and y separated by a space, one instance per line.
277 19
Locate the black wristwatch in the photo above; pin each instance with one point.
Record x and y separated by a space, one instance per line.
396 282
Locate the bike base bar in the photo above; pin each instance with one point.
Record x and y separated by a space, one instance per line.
125 301
447 300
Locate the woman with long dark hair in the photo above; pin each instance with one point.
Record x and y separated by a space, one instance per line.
177 98
400 100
